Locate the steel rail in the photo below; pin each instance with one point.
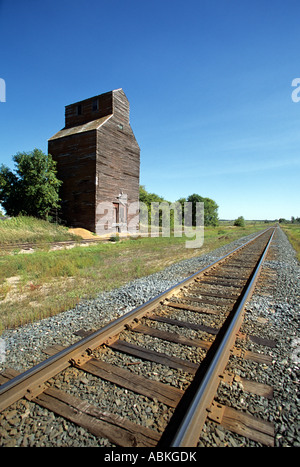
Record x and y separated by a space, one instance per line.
11 246
33 378
190 428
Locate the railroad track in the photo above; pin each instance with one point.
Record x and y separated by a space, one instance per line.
62 244
200 318
28 246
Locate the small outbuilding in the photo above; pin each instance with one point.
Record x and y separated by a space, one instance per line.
98 161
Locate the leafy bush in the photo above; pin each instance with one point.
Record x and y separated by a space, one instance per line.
239 222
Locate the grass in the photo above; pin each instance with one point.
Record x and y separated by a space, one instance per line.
293 233
44 283
23 229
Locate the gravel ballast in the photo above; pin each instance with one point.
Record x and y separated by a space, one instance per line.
23 348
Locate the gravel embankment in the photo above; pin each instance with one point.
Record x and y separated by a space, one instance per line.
23 348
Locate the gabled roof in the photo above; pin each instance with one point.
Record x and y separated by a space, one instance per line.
92 125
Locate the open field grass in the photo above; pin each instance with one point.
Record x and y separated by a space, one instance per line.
293 233
44 283
23 229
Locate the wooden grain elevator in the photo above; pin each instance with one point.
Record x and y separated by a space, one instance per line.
98 161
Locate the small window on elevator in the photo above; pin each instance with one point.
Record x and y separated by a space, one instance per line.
79 109
95 105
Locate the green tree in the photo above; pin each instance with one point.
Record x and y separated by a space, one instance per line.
33 189
210 209
148 198
239 222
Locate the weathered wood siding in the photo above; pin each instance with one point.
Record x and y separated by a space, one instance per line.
105 104
76 165
118 158
97 165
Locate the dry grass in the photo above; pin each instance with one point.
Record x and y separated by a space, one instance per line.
23 229
293 233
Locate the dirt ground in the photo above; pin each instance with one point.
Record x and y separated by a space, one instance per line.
83 233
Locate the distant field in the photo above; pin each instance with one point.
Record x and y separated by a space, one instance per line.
293 233
44 283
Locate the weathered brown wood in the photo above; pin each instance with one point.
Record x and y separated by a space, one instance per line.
253 356
98 160
258 357
247 385
172 337
198 327
218 295
259 389
191 298
7 374
136 383
241 265
153 356
84 332
76 159
3 380
224 276
88 113
118 430
185 324
53 349
210 330
246 425
222 284
183 306
262 341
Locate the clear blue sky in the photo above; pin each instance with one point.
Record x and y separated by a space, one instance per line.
209 84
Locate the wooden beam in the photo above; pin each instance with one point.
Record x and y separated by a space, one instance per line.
171 337
243 424
183 306
139 384
118 430
153 356
185 324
